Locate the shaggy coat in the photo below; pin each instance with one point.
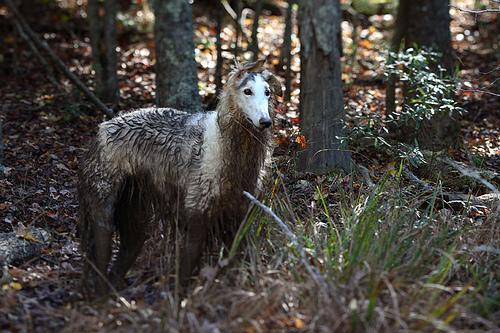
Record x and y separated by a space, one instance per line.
174 165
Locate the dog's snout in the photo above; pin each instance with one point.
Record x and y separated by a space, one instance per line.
265 122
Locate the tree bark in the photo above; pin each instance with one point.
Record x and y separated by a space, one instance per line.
428 24
425 23
321 100
95 30
1 150
103 41
286 51
218 43
111 91
238 7
254 46
176 75
399 32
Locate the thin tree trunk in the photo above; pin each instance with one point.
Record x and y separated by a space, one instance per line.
1 149
95 29
218 43
286 52
238 8
254 46
322 111
176 75
103 41
111 93
399 32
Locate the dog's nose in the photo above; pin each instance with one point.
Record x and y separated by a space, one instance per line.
265 122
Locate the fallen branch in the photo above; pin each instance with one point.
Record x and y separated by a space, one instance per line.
317 278
477 11
18 246
365 173
490 200
414 179
470 172
55 59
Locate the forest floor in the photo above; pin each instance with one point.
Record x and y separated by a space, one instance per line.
394 255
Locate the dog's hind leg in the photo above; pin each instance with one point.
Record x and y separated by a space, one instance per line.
132 215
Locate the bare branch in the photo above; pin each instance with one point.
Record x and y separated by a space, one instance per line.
36 53
56 60
480 91
414 179
317 278
470 172
476 11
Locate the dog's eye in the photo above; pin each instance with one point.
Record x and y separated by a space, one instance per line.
267 92
247 92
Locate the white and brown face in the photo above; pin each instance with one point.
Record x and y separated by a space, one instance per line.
252 97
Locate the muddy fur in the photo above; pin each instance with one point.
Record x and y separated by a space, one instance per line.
153 162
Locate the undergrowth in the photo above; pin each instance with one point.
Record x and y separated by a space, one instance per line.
392 261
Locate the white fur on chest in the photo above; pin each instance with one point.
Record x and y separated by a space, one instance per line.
205 183
212 146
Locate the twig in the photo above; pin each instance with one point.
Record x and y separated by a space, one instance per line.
236 20
476 11
57 61
105 279
229 9
317 278
480 91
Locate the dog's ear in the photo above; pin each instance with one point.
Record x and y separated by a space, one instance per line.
255 66
274 82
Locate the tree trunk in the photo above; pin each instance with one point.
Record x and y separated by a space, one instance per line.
103 42
286 51
218 43
111 91
428 24
238 7
1 149
425 23
321 102
95 28
176 76
399 32
254 46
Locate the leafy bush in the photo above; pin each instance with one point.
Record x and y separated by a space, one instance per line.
429 89
429 93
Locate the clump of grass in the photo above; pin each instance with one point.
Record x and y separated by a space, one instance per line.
393 261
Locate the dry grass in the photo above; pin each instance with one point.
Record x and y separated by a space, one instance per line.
393 260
